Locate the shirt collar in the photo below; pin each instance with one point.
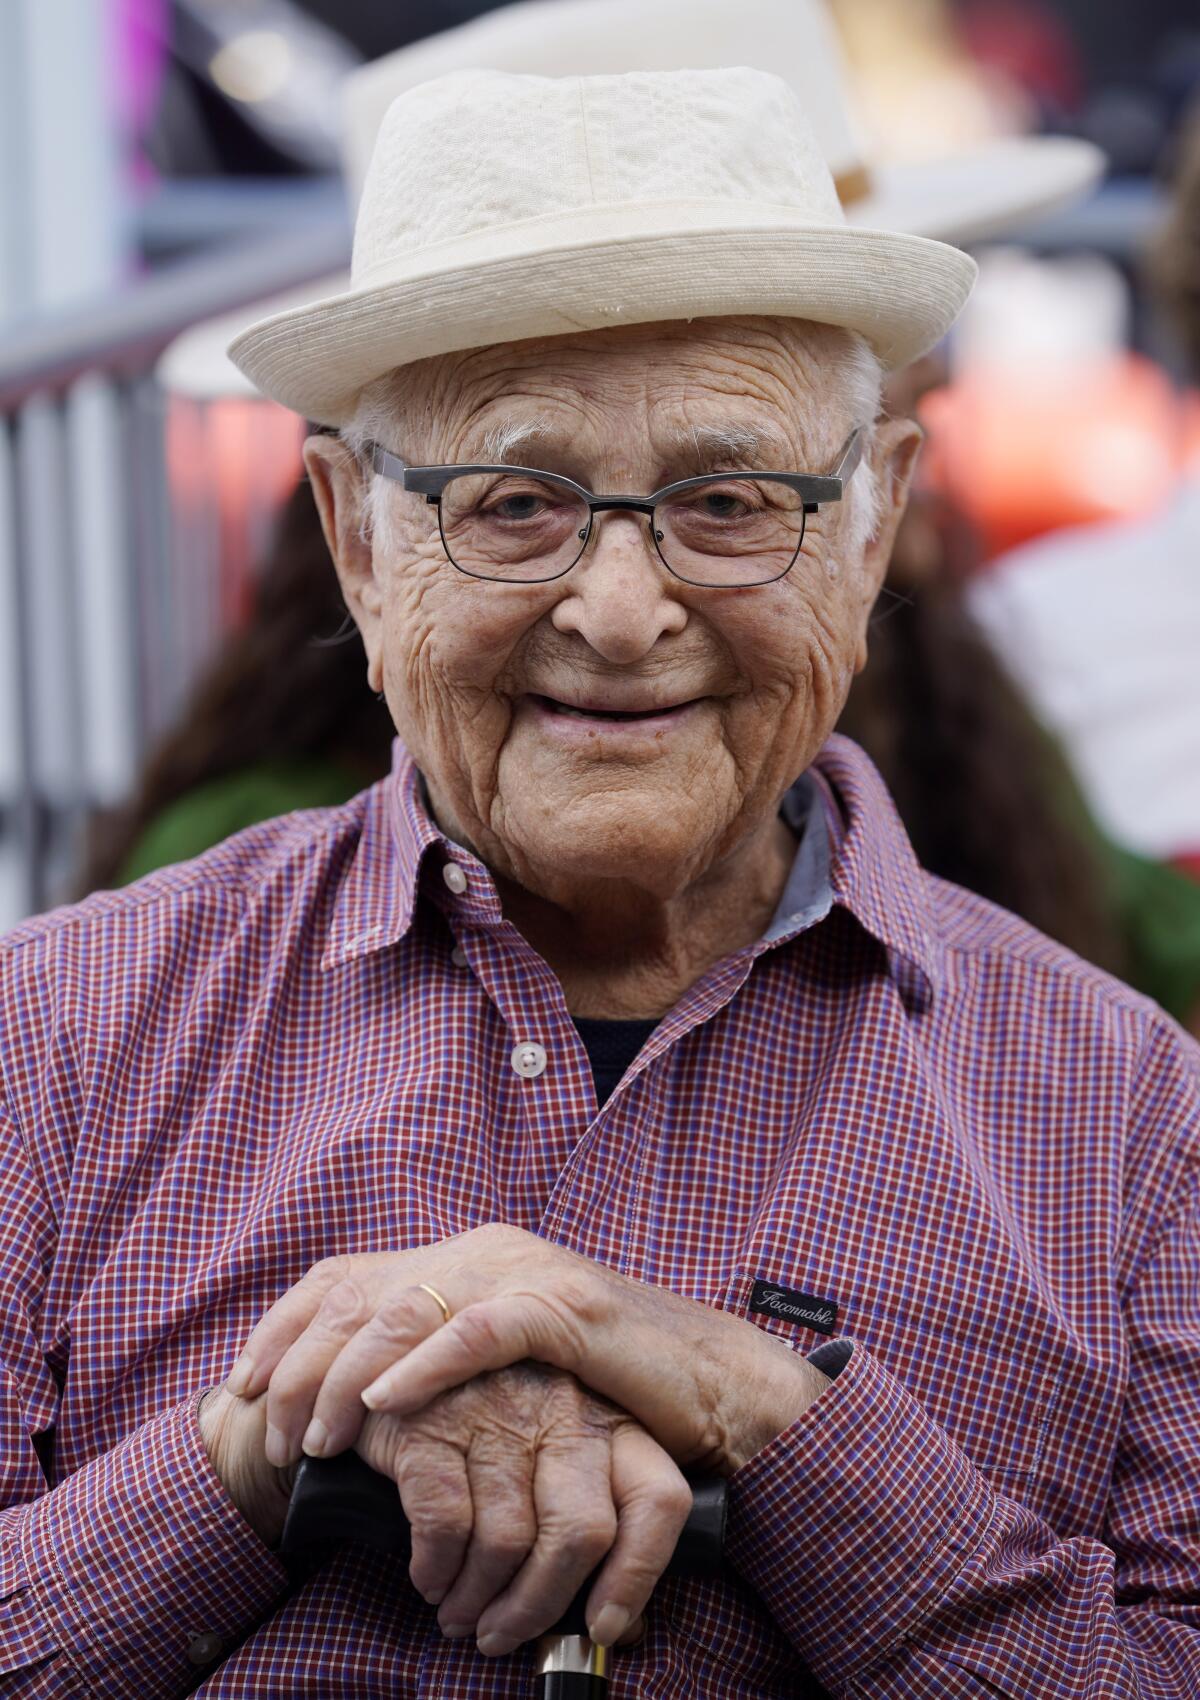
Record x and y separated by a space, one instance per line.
863 861
876 875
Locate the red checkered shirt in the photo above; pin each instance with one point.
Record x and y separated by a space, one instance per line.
979 1155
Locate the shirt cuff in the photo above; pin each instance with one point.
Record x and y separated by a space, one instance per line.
853 1523
141 1553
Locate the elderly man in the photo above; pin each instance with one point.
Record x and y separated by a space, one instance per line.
608 1093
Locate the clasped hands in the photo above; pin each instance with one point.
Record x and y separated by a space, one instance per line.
546 1425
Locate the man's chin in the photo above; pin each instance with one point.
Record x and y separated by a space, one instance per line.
630 834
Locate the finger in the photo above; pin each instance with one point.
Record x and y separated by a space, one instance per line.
296 1380
501 1477
337 1413
653 1501
286 1320
485 1336
577 1522
436 1495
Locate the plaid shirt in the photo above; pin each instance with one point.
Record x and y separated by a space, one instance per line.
974 1157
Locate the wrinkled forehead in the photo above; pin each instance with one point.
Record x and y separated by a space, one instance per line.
752 389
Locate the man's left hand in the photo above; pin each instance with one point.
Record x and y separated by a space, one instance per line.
711 1388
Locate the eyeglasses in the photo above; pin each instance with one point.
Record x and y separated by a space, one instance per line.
518 525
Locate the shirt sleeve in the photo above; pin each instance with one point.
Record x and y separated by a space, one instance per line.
108 1579
898 1573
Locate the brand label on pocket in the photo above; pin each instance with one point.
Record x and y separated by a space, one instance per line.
770 1299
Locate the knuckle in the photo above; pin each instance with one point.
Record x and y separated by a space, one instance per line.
290 1379
587 1541
476 1328
671 1499
504 1549
397 1315
524 1622
345 1305
327 1271
440 1524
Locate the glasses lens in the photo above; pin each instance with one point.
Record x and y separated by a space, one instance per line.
736 531
512 526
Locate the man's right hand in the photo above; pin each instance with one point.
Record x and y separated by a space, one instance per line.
516 1485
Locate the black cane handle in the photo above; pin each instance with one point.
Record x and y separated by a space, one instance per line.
342 1499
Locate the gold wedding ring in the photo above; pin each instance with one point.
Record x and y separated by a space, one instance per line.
437 1298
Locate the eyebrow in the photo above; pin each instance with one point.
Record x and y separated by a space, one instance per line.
734 445
737 446
501 442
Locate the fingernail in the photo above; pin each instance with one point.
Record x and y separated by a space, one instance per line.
277 1448
453 1631
609 1622
374 1396
315 1437
493 1645
239 1375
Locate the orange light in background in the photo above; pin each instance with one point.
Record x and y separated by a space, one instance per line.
1023 452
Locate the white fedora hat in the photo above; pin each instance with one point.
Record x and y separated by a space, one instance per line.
499 207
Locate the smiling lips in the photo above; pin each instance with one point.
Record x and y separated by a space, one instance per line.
599 711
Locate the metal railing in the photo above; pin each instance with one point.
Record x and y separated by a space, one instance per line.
97 647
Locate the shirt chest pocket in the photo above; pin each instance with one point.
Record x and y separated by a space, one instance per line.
984 1354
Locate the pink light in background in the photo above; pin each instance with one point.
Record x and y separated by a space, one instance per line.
231 463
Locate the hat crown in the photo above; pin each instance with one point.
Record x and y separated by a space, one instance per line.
480 151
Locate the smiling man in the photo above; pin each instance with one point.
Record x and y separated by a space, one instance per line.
608 1093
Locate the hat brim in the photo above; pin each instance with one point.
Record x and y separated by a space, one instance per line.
900 292
981 192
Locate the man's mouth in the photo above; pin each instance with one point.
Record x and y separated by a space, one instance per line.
590 711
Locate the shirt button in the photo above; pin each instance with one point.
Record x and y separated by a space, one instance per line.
458 956
203 1649
528 1060
455 878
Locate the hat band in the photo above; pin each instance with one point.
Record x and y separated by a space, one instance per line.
590 225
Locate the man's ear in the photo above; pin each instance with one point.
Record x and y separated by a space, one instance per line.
897 445
338 490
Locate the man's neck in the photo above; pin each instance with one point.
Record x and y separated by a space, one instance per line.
623 953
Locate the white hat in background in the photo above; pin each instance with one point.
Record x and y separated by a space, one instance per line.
975 194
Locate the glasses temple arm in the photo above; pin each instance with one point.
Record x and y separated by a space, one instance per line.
852 453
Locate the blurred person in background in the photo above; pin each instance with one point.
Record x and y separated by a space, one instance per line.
1100 625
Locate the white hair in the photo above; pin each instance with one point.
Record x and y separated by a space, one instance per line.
381 404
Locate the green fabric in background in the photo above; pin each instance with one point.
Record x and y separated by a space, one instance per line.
1160 915
218 809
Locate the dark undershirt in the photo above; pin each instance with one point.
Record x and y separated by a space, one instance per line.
611 1047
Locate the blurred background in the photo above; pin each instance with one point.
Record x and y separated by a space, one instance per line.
174 662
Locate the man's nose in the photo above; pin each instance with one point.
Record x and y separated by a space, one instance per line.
620 598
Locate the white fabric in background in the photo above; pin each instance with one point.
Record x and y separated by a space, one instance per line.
1101 627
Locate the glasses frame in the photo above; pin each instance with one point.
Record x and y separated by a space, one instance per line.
812 488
